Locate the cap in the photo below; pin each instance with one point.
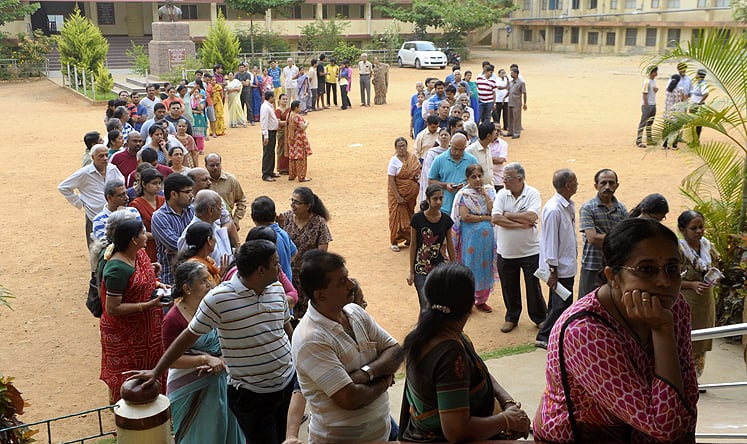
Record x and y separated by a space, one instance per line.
702 72
681 65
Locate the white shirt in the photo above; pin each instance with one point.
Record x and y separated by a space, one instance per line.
395 166
514 243
558 244
222 242
289 73
648 88
148 104
485 159
267 118
365 67
498 148
313 78
90 185
699 89
501 94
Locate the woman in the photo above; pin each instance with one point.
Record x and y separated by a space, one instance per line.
442 144
380 81
131 322
172 97
306 224
190 157
220 118
235 112
449 393
115 141
654 206
674 95
463 100
281 151
176 154
473 233
158 141
431 230
304 93
184 93
197 381
199 129
417 123
473 95
148 201
257 95
199 238
297 143
623 353
266 81
402 192
345 79
699 259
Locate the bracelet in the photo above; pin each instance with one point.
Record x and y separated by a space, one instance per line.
140 306
204 359
508 425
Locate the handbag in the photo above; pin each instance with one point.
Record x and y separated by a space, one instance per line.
93 302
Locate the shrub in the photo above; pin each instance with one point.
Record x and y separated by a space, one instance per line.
221 46
322 35
81 43
104 80
140 58
264 41
345 51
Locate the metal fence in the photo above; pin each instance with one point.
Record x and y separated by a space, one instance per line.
80 80
48 423
304 57
15 69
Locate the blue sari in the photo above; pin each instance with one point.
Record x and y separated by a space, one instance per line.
257 98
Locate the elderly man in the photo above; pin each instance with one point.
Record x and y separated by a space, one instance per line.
515 211
486 134
90 181
449 170
116 198
290 75
159 113
442 112
419 87
208 206
201 178
344 359
365 68
227 186
426 138
517 93
558 248
169 221
126 160
251 315
597 217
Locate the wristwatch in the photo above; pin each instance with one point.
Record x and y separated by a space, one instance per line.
553 269
369 371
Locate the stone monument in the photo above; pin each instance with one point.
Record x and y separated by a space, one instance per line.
171 45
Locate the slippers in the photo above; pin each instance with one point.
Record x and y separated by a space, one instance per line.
641 145
394 248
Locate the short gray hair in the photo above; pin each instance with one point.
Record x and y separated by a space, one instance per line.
204 200
111 186
561 178
516 166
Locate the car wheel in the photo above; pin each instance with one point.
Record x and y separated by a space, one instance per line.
399 62
417 64
443 67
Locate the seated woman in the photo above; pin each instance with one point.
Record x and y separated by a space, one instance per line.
449 394
619 360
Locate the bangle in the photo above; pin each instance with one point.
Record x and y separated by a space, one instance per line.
140 306
204 359
508 425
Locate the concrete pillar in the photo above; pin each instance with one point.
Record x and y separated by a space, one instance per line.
320 11
368 18
268 19
213 13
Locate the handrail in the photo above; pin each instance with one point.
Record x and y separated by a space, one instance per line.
48 423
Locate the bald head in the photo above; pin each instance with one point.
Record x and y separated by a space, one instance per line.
458 145
213 165
207 205
200 177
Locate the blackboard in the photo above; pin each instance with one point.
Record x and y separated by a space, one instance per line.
105 12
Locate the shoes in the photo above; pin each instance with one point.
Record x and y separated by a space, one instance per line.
641 145
508 326
275 175
268 179
515 137
540 344
485 308
394 248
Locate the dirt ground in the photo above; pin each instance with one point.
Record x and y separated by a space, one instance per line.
582 114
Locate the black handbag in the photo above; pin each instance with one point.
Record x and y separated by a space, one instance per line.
93 302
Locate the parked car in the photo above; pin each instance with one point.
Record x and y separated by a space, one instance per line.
420 54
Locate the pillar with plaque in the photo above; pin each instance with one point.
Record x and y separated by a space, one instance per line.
171 44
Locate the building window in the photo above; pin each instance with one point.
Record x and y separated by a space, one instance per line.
189 12
673 4
655 4
287 12
574 35
221 9
592 4
613 5
558 34
697 37
723 35
527 5
630 4
610 39
543 37
722 3
651 37
527 35
631 35
673 37
576 4
592 38
702 3
555 4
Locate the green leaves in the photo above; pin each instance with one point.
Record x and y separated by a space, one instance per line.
81 43
11 10
255 7
221 46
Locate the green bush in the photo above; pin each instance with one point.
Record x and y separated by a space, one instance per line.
345 51
81 43
322 35
104 80
264 41
140 58
221 46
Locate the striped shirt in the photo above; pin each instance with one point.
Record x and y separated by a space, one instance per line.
486 89
99 222
167 225
252 336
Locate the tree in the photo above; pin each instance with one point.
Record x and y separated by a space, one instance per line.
81 43
256 7
11 10
323 35
221 46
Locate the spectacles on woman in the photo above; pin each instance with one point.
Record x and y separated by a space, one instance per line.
672 271
297 202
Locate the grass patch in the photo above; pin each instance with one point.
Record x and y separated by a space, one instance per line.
89 93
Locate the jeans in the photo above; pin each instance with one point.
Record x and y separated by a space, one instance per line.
557 307
486 111
501 108
261 416
332 89
268 154
508 270
314 95
365 86
345 99
647 120
419 284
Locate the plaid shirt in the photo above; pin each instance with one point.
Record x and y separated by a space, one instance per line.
594 214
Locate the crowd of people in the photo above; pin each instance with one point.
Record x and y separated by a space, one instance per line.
185 303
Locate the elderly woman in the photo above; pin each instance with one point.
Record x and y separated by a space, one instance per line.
402 192
380 81
233 101
654 206
619 360
200 241
449 393
131 322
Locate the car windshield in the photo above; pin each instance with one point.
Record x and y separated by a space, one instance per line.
426 46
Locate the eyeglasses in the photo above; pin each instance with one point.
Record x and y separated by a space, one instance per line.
297 202
672 271
510 178
189 191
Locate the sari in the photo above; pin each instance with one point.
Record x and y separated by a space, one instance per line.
146 214
257 96
132 341
380 83
235 112
474 242
281 149
187 99
406 183
209 420
297 145
212 267
220 119
190 159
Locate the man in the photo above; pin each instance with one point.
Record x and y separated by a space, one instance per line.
169 221
126 160
499 153
89 181
431 105
450 78
208 206
227 186
648 108
159 113
90 139
486 88
698 95
365 68
344 359
427 138
313 83
115 194
290 74
686 82
517 93
449 170
274 71
175 114
269 122
515 212
486 134
442 112
150 100
558 248
321 75
501 96
140 113
246 78
251 315
123 115
201 178
597 217
263 215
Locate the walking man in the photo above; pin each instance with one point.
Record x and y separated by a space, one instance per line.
269 122
365 68
648 108
517 92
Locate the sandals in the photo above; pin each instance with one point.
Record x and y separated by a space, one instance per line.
394 248
641 145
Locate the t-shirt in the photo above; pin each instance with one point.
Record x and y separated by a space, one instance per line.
275 74
125 162
648 89
429 241
332 71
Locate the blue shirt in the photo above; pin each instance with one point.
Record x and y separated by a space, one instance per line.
445 169
167 226
286 250
275 74
434 101
141 111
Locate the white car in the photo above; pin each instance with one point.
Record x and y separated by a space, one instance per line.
420 54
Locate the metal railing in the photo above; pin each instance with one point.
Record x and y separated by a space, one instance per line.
16 69
48 425
80 80
715 333
260 58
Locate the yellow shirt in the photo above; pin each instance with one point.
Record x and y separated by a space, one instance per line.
331 72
